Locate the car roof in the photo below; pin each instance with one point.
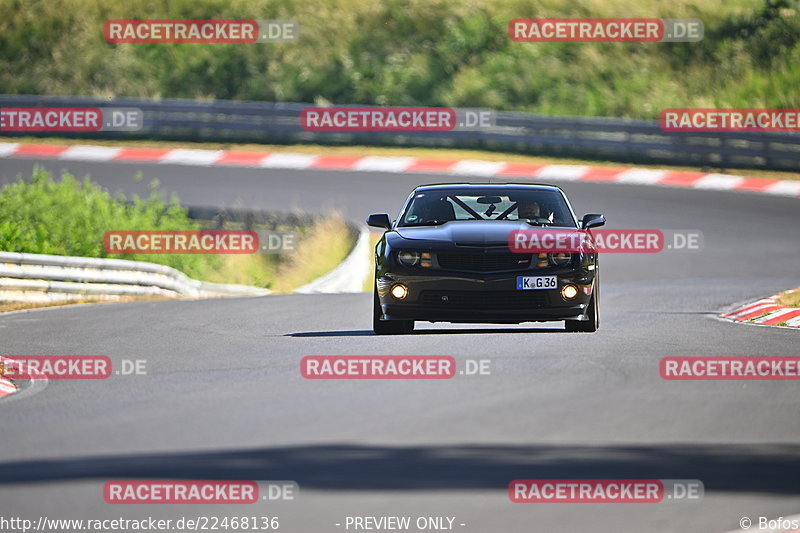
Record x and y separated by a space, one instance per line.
499 186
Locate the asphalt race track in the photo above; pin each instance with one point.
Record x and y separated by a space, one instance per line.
223 397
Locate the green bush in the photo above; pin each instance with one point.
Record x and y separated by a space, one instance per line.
413 52
70 217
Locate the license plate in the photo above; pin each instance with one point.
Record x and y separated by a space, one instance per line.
526 283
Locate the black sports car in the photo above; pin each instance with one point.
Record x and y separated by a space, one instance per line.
447 258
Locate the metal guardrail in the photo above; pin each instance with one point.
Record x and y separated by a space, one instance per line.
48 278
587 137
249 219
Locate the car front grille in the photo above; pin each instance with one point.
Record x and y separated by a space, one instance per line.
484 262
484 299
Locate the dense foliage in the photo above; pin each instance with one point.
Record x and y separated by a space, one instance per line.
413 52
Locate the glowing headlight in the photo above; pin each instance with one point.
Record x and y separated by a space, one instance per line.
399 291
569 292
560 258
408 258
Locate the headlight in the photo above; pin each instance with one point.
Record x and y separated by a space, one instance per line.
560 258
568 292
408 258
399 291
424 259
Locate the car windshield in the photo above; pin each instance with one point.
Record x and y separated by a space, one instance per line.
535 206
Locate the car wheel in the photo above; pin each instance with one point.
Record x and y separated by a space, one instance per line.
593 314
387 327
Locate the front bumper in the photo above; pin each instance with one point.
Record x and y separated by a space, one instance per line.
483 298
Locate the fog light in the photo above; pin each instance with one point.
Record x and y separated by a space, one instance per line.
568 292
399 291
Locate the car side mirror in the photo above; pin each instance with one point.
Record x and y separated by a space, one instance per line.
379 221
592 220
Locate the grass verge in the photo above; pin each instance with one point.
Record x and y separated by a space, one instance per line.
453 53
70 217
320 248
790 298
6 307
4 374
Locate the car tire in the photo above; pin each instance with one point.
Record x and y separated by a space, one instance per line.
387 327
593 314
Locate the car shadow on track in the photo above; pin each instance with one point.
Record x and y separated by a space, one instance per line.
370 333
742 468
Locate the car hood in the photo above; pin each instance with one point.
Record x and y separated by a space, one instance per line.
467 232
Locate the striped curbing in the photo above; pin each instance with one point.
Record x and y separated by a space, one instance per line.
453 167
32 384
6 386
766 312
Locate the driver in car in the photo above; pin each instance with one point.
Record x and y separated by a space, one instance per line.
432 210
528 210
